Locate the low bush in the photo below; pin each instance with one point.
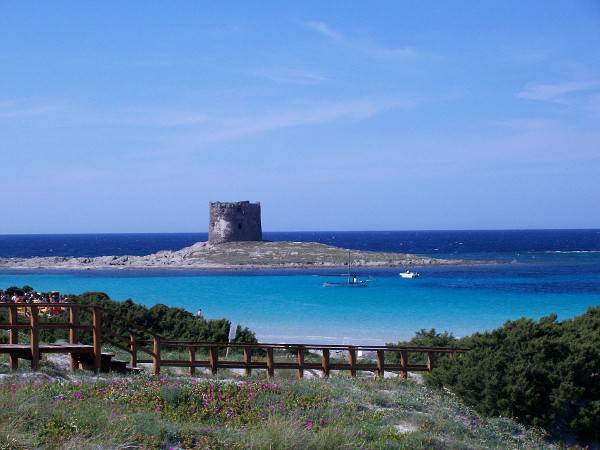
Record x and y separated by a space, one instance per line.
122 317
544 373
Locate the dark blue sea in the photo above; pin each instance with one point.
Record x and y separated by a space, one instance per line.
538 272
502 244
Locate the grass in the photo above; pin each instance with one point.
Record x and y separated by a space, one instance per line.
176 412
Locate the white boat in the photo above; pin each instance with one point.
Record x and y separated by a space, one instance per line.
409 274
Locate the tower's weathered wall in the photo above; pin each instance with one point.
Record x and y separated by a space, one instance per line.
237 221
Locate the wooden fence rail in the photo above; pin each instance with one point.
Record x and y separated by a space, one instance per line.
30 315
344 357
254 356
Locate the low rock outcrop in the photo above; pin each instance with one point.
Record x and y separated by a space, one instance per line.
203 255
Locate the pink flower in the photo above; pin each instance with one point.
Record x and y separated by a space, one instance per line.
59 398
77 395
308 425
113 413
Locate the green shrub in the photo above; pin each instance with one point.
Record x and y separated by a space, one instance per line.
123 317
424 338
544 373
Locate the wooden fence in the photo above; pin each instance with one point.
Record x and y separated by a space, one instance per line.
344 357
26 316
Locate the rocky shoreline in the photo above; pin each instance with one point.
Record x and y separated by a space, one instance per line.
235 255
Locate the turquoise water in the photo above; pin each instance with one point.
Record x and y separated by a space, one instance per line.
292 306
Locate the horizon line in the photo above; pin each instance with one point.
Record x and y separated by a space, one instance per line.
304 231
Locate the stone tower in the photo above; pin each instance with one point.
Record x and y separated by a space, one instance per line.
236 221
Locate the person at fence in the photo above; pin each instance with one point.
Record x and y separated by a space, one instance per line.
20 299
55 298
39 298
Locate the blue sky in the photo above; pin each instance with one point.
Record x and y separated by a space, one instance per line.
132 116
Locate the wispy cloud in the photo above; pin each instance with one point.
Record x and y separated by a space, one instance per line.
292 76
324 29
528 124
369 48
156 118
14 110
555 92
222 129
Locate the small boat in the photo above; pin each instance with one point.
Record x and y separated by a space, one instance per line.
409 274
352 280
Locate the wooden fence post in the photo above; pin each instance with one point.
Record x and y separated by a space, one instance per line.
300 359
352 360
73 337
192 355
97 337
155 355
214 359
403 363
381 363
13 336
325 362
133 350
34 340
247 360
270 370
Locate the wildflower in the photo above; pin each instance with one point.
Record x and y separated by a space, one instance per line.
162 380
58 398
230 413
77 395
308 425
113 413
360 434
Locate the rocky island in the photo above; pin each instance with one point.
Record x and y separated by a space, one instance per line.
234 255
234 242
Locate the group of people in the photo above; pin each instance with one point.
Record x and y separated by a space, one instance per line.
35 297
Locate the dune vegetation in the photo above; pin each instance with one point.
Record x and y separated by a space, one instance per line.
173 413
